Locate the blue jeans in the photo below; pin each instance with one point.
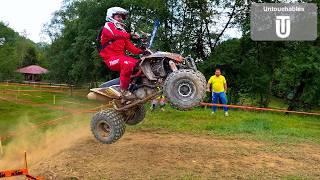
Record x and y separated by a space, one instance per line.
223 98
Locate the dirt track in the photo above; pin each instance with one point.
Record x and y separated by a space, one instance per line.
161 155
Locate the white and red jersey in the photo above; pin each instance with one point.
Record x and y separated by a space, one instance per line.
119 42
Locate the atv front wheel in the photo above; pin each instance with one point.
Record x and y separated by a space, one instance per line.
108 126
185 88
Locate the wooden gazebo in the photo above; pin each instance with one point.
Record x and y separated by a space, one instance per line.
33 72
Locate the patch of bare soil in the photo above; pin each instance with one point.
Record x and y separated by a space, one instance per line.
159 155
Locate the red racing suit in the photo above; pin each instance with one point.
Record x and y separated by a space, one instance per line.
116 42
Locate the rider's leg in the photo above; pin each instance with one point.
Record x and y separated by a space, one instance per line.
126 67
110 83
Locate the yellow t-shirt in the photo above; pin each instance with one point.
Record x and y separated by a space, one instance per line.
217 83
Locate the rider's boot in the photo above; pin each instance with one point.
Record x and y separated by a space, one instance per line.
127 95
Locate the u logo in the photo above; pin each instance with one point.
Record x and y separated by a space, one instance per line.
283 26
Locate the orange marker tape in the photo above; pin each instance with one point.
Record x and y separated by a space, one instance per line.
11 173
260 109
20 172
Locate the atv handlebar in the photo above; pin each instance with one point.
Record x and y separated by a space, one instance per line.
147 52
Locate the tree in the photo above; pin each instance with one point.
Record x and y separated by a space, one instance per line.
16 51
298 79
188 27
30 58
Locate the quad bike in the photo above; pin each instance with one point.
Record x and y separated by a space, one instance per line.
158 72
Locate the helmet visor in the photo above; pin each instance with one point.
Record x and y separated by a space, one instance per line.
122 14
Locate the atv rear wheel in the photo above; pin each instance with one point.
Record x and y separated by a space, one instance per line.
139 114
185 88
108 126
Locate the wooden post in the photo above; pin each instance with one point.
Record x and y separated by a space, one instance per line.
1 149
71 90
54 99
25 161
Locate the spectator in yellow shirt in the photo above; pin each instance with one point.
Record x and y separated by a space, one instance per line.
217 84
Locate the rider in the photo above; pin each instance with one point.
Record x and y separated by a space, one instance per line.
115 41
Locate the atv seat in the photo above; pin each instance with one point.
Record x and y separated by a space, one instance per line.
110 83
115 84
106 91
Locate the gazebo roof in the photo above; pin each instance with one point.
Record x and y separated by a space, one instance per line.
33 69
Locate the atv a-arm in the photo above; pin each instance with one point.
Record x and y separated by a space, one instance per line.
138 102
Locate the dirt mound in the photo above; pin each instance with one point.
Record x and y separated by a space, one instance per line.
160 155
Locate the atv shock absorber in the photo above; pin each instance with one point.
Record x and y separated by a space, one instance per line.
173 66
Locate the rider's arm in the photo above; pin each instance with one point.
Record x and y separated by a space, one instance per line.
132 48
117 34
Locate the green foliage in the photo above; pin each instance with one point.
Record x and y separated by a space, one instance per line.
73 30
8 55
298 78
30 57
259 70
73 45
16 52
255 71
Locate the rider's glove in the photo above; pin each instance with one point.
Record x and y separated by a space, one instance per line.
135 35
147 52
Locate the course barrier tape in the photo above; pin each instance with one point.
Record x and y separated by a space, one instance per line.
71 91
69 102
58 86
20 172
55 107
260 109
22 90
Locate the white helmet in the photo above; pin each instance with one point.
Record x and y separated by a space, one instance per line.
115 10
